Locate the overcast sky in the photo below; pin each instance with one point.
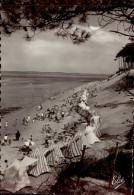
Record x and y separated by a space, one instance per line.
47 53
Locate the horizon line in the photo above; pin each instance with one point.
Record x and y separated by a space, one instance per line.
54 72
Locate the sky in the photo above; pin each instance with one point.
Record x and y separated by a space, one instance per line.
48 53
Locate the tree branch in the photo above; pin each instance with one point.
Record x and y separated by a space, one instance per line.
121 33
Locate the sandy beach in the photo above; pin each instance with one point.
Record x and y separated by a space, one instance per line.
113 106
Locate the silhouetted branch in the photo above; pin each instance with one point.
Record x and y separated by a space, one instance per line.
121 33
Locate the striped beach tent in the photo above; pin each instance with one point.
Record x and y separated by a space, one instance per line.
74 148
70 149
54 155
41 166
65 149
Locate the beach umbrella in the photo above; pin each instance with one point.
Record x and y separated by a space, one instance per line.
29 143
26 143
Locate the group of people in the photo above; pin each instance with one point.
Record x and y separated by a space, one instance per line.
7 140
46 129
26 120
50 114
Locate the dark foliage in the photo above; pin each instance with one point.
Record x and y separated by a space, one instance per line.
101 169
34 16
125 84
129 136
127 56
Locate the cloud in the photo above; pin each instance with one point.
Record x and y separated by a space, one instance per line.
103 36
100 35
94 28
46 52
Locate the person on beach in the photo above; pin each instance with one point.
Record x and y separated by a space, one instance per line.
39 107
42 116
62 114
3 142
24 121
6 125
28 117
46 143
49 130
17 135
5 138
56 119
16 122
44 128
38 116
27 120
48 110
31 138
6 162
9 141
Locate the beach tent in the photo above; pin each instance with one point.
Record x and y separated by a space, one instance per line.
70 149
90 135
81 140
75 150
15 177
41 166
84 96
84 112
65 148
94 129
84 106
95 119
54 156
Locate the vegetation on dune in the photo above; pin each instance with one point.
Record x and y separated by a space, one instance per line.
126 57
126 83
99 169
